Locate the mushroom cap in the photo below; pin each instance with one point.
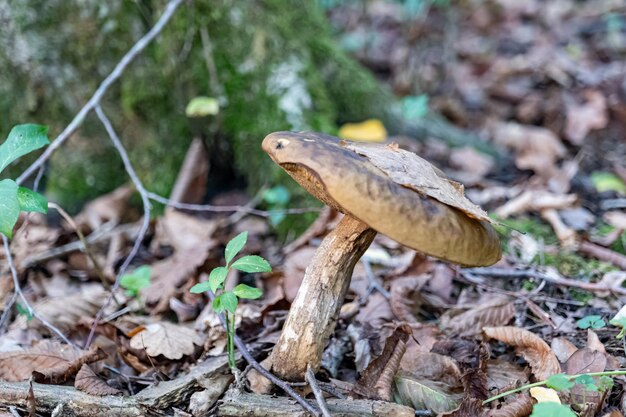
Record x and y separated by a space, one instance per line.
348 182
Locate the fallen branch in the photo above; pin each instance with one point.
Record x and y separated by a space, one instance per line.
309 376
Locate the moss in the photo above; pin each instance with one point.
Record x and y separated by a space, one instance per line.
573 265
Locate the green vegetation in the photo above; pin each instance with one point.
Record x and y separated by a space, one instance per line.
226 302
135 281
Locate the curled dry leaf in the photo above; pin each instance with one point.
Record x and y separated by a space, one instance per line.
110 207
562 348
535 200
409 170
497 312
167 339
377 379
583 118
87 381
537 353
502 375
430 366
405 298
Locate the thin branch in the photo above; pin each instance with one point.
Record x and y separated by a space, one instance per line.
228 209
317 392
144 225
94 101
18 291
241 347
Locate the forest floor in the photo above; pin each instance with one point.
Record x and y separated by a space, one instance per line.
542 82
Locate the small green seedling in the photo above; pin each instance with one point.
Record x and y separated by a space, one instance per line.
135 281
226 301
591 322
552 409
22 140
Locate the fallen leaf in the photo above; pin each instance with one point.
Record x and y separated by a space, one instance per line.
535 351
190 184
535 200
516 406
430 366
503 374
423 394
495 312
168 339
583 118
473 165
585 361
562 348
87 381
371 130
404 298
111 207
544 395
411 171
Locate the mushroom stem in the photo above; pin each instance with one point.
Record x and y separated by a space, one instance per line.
314 312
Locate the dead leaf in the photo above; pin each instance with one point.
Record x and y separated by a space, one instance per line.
535 200
474 165
430 366
535 351
371 130
517 406
87 381
409 170
167 339
583 118
111 207
562 348
616 219
65 312
404 298
377 379
190 185
496 312
423 394
585 361
294 266
48 361
536 148
503 374
567 236
545 395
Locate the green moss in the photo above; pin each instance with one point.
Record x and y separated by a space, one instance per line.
573 265
527 225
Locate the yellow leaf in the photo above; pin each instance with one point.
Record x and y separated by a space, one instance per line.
371 130
545 395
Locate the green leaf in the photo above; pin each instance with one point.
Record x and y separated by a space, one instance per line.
202 106
245 291
136 280
620 322
217 278
9 207
22 139
587 381
218 307
31 201
605 383
550 409
559 382
593 321
200 287
277 196
252 263
229 301
24 312
234 246
415 107
605 181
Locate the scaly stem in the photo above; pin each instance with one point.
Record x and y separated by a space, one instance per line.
541 383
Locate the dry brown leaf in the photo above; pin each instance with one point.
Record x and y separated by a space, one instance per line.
423 394
583 118
536 148
566 235
469 407
168 339
64 312
87 381
472 164
517 406
190 185
377 379
430 366
585 361
48 361
110 207
545 395
496 312
562 348
404 298
411 171
537 353
503 374
294 266
616 219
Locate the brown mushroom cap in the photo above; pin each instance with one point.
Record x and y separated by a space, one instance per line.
350 183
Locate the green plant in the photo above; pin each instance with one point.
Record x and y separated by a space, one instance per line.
22 140
276 199
591 322
136 280
226 301
551 409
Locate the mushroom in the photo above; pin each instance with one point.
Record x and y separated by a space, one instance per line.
379 188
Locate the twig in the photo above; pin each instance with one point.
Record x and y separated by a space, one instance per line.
7 311
81 238
373 282
94 101
144 225
603 254
530 273
319 396
241 347
18 291
228 209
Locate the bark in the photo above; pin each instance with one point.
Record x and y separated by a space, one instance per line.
313 314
